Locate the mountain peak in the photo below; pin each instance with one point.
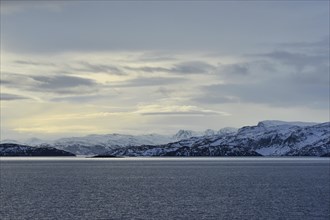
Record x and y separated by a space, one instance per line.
184 134
227 130
209 132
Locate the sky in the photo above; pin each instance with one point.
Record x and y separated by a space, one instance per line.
72 68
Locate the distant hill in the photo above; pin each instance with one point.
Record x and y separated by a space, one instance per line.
23 150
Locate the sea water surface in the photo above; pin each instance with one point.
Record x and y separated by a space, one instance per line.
164 188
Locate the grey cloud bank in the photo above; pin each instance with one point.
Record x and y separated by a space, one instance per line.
100 68
280 78
9 97
169 65
274 93
55 84
150 81
191 67
210 26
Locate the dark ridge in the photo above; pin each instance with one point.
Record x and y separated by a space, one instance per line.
326 155
17 150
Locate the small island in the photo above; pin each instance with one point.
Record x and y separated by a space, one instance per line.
105 156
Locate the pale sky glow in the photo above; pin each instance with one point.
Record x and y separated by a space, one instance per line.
87 67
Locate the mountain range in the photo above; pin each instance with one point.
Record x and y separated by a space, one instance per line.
98 144
267 138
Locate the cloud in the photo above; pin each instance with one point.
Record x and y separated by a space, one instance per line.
248 71
11 97
27 62
164 91
12 7
5 82
98 97
71 30
233 71
18 81
150 81
191 67
59 84
280 93
65 84
298 60
207 97
320 45
78 98
148 69
176 110
100 68
156 57
236 69
57 129
277 78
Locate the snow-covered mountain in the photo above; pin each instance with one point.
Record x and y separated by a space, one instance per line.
268 138
98 144
227 130
95 144
271 123
184 134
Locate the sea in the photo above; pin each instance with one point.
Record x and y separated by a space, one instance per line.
164 188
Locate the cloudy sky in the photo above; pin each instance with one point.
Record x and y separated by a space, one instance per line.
86 67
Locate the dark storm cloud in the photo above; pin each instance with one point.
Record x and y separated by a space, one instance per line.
11 97
150 81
